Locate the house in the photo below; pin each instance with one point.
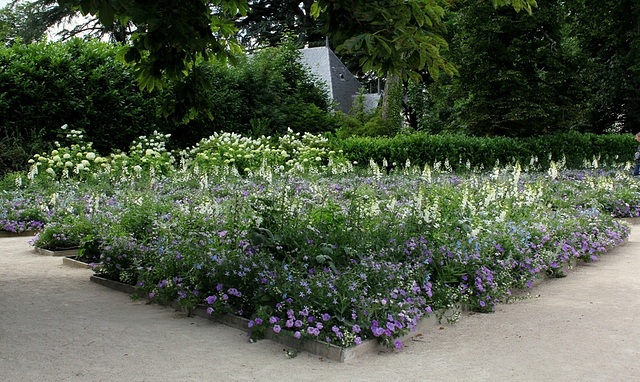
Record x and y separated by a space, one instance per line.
341 85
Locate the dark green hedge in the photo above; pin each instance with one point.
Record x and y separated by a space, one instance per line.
421 149
44 86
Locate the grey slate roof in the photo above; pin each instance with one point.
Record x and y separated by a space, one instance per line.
341 85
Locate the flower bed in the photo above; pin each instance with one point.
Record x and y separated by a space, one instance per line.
318 249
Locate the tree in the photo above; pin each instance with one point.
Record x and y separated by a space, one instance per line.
515 76
30 21
21 20
607 34
268 23
397 36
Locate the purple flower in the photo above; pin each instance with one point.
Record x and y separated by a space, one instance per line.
398 344
276 328
258 321
273 320
377 331
358 341
297 335
211 300
356 328
209 310
326 317
251 323
298 323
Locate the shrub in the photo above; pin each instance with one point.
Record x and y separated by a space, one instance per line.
47 85
574 149
82 85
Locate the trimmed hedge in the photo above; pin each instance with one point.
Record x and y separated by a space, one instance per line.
422 148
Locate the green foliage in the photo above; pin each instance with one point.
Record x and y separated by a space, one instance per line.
390 37
385 120
44 86
606 37
80 84
516 77
458 150
269 22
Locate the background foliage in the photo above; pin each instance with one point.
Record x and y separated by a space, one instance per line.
46 85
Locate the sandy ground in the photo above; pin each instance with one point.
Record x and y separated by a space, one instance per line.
55 325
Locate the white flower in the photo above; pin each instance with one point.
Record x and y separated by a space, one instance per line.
50 171
137 169
66 156
56 158
91 156
68 164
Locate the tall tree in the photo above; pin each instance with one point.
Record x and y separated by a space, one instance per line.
514 78
608 34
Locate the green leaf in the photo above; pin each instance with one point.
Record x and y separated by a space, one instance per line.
106 14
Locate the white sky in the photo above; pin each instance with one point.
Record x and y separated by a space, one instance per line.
3 3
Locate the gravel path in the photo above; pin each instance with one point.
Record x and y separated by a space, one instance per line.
55 325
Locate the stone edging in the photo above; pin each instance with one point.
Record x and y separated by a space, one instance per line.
63 252
71 261
17 234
